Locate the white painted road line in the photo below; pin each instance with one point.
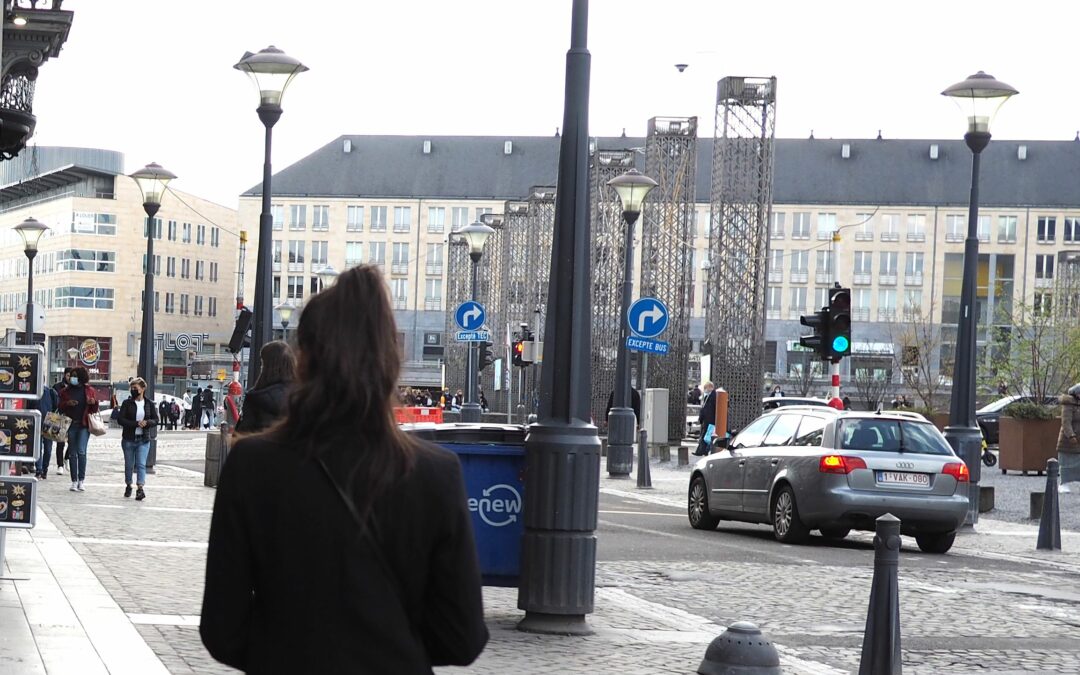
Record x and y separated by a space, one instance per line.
138 542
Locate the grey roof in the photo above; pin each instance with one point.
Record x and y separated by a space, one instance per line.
37 160
807 171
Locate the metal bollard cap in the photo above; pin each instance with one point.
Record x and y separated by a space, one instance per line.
742 649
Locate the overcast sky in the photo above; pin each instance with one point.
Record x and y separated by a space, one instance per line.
154 78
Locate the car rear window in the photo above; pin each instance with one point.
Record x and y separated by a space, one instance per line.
893 436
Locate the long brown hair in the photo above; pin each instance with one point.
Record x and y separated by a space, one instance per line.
278 364
347 377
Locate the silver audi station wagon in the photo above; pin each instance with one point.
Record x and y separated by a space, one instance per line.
804 468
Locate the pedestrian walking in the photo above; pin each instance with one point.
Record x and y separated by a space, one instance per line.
196 409
78 401
390 581
209 405
174 415
706 417
1068 445
265 404
163 411
61 446
139 418
635 403
187 409
48 402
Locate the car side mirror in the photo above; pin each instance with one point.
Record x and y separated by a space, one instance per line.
719 443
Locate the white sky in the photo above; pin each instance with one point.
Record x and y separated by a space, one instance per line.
154 78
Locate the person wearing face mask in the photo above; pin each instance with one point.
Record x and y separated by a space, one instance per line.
78 401
139 419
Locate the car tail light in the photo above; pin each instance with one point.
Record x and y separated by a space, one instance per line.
957 470
840 464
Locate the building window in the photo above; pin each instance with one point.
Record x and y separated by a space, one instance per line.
1046 230
87 260
354 219
170 267
399 291
1007 229
955 228
85 222
434 259
157 265
320 218
800 225
183 303
185 232
433 294
172 230
888 264
378 253
826 225
916 226
170 303
198 305
200 269
1071 230
824 269
215 237
157 227
886 304
402 218
436 219
773 300
860 304
777 222
984 228
821 296
798 302
378 219
200 235
277 289
354 253
863 267
400 261
1044 266
1043 304
211 307
296 287
185 268
277 212
864 227
799 262
297 217
214 271
459 217
890 227
912 303
913 268
318 253
83 297
296 256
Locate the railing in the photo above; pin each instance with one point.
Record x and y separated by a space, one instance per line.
800 235
916 236
823 277
824 236
887 280
399 268
800 277
913 280
400 303
890 236
772 314
860 279
953 237
796 312
776 277
434 269
296 267
886 314
1043 283
1007 238
864 236
432 304
860 314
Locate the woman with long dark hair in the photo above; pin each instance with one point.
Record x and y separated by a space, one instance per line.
78 400
338 544
266 402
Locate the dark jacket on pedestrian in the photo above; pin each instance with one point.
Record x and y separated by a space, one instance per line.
126 419
263 407
1069 435
293 586
635 403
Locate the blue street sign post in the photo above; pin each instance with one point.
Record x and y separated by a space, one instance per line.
473 336
470 315
648 318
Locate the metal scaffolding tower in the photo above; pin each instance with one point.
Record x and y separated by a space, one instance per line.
607 273
493 297
741 203
667 254
458 276
541 219
1066 299
517 310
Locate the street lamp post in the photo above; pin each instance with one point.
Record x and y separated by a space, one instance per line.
632 187
475 236
326 275
285 311
30 230
271 71
979 97
152 180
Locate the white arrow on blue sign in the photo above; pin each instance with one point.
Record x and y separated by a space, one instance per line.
648 317
470 315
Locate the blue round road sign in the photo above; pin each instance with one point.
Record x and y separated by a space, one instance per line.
648 317
470 315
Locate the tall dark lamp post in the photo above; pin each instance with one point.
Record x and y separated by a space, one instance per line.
30 230
475 236
562 450
632 187
271 71
979 97
285 312
152 180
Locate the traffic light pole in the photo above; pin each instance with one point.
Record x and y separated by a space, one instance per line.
834 364
470 409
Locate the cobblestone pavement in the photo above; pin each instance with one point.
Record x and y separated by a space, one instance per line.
1012 497
651 617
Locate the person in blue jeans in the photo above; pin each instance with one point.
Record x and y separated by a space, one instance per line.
48 403
78 401
139 419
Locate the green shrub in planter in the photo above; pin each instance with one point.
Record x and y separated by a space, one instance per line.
1029 410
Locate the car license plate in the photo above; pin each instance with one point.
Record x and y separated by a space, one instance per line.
903 478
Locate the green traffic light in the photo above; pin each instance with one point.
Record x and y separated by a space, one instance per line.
840 344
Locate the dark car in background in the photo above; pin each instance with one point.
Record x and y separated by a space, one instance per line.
987 416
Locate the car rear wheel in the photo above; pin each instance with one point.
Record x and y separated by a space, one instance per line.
939 542
835 532
787 527
697 507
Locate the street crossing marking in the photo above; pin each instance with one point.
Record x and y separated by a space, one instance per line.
138 542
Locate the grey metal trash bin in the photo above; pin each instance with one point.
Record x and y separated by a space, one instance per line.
217 450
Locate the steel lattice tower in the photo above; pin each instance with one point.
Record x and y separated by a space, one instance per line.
667 248
741 203
541 219
492 296
607 273
458 278
1066 299
515 273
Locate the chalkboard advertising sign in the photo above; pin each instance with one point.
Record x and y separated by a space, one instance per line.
17 495
20 435
22 372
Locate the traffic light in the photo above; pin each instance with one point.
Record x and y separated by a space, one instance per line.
819 340
486 356
839 343
518 353
239 338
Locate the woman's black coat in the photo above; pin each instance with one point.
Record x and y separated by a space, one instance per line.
127 420
263 407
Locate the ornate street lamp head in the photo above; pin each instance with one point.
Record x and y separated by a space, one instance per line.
475 235
327 275
979 97
632 188
285 311
31 230
152 180
271 70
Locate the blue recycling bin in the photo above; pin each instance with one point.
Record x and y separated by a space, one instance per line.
493 463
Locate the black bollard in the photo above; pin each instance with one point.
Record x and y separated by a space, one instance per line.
1050 523
740 650
881 640
644 476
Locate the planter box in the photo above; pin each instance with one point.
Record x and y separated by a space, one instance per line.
940 420
1025 445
